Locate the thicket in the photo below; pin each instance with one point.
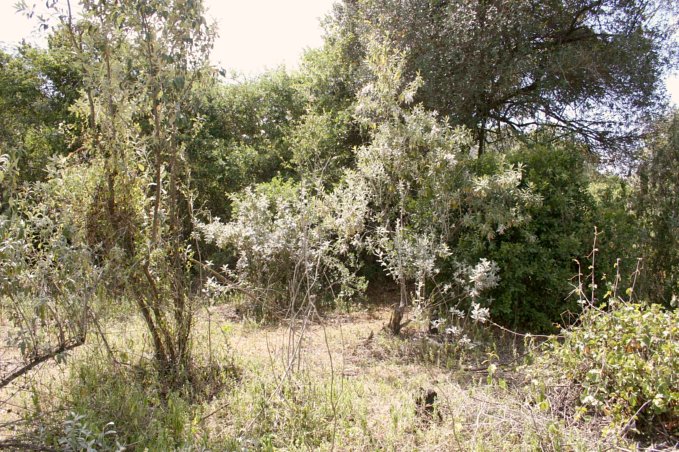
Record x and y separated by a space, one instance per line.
462 166
621 364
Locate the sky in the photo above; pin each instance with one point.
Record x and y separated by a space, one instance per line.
253 35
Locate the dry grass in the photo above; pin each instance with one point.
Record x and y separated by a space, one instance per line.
355 388
342 384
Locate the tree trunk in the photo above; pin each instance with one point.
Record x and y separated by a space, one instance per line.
396 321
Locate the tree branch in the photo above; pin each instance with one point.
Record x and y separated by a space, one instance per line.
41 359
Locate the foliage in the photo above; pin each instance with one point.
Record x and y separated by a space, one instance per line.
329 77
536 258
320 146
37 87
422 192
78 436
323 139
108 399
619 237
585 67
48 281
291 247
657 207
623 361
278 124
245 136
448 143
140 60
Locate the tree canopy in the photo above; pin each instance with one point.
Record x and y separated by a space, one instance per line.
589 68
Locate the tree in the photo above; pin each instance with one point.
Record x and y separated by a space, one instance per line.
657 207
588 68
140 60
421 195
37 87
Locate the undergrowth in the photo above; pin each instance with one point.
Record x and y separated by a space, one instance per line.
352 389
126 405
619 367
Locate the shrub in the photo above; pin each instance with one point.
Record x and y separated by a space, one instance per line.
537 257
292 245
122 405
624 363
48 284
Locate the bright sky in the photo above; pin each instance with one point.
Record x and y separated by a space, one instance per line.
265 33
253 35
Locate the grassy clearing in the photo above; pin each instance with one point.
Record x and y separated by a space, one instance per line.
342 385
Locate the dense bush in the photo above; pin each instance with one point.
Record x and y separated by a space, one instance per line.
244 138
657 206
537 258
37 89
292 244
488 213
623 362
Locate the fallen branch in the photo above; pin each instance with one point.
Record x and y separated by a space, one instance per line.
630 424
18 445
41 359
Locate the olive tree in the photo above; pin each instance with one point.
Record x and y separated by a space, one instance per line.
588 68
